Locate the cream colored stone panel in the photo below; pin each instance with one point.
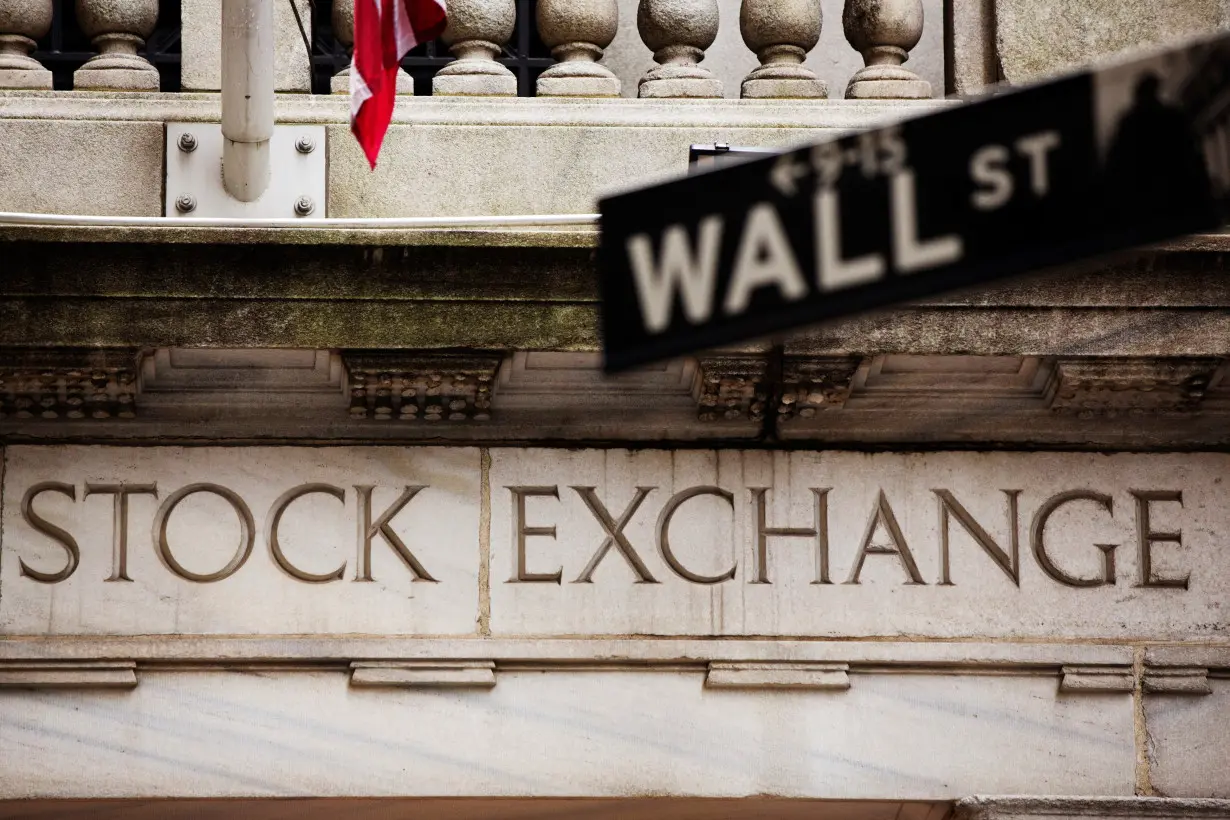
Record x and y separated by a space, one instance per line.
317 534
564 734
1189 742
1040 37
202 46
107 168
451 170
710 539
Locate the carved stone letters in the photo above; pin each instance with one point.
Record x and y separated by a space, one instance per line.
368 530
883 533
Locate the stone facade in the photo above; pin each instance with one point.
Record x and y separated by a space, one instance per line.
352 513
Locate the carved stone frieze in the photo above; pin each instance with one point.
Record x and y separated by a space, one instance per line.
813 385
732 388
1136 386
68 384
421 386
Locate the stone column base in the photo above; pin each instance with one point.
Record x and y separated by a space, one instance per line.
340 82
767 88
887 83
578 79
108 73
680 81
480 78
25 78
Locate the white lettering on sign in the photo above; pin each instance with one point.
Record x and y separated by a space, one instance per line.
996 184
764 259
692 274
834 272
910 252
688 260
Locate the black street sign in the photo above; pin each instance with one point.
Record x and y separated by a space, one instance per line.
1090 163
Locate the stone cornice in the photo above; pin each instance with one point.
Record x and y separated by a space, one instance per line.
517 111
145 393
1004 808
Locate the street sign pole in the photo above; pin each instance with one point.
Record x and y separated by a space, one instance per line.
1090 163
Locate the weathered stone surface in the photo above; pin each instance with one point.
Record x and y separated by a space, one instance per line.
678 32
884 32
971 62
201 43
522 156
577 32
563 733
715 583
25 76
781 34
1040 37
493 80
117 28
29 18
520 169
81 167
1104 806
730 60
1189 742
614 542
22 22
476 33
176 588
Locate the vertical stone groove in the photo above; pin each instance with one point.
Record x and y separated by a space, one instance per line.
484 544
1144 784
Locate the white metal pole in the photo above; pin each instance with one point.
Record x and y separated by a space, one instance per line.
247 96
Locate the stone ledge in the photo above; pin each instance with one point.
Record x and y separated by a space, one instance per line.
1210 657
423 674
381 237
992 656
539 111
1097 679
1005 808
811 676
63 674
1177 681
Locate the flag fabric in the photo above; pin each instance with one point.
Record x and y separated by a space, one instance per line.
384 30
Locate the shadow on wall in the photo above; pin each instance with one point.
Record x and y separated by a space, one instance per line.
834 60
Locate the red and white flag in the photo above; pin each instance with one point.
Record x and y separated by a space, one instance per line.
384 30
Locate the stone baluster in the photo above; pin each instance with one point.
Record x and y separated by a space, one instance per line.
22 22
577 32
343 30
781 33
477 31
884 31
117 28
678 32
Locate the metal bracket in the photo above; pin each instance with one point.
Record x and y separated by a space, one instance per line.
297 185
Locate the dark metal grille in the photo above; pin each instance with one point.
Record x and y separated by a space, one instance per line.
524 54
66 48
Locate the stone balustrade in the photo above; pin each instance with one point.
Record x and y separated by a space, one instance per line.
780 33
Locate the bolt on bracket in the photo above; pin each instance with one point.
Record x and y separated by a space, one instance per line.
297 184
